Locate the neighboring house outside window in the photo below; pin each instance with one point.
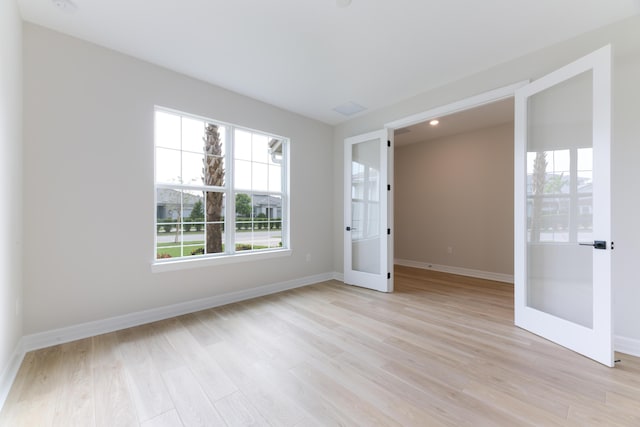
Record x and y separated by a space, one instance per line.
221 189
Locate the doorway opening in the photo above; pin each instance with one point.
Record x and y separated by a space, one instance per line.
454 188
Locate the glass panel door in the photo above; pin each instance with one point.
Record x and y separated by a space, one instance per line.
562 212
368 242
559 271
365 207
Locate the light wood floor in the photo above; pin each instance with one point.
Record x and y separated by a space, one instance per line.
441 350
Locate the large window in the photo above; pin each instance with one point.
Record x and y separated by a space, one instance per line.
220 189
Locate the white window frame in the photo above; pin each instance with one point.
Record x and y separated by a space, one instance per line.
230 255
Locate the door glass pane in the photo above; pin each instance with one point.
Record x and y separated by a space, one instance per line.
365 207
560 201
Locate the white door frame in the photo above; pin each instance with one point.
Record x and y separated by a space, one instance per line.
454 107
457 106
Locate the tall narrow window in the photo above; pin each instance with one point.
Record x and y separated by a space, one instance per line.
220 189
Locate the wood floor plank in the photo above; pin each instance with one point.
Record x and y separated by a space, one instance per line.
269 399
167 419
114 405
360 410
440 350
192 404
317 405
237 411
75 405
149 394
164 355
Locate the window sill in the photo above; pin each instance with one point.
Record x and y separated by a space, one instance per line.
185 264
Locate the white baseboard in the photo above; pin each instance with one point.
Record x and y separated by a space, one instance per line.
630 346
10 372
89 329
338 276
499 277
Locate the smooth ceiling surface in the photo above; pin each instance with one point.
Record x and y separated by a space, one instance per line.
488 115
309 56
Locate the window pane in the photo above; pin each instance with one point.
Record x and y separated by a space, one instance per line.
275 178
243 236
214 142
242 145
242 175
169 235
260 151
192 168
166 250
275 151
168 166
243 207
274 216
192 135
168 204
192 206
214 213
260 177
214 147
214 171
167 132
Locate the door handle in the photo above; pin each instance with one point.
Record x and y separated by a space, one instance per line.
349 228
597 244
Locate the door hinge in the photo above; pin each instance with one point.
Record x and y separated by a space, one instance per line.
388 143
388 187
388 231
612 245
388 275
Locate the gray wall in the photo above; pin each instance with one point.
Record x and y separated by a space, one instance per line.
625 38
88 172
10 184
457 192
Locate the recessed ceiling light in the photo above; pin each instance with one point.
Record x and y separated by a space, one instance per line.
434 122
343 3
349 108
66 6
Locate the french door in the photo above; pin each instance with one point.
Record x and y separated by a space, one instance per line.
368 210
562 207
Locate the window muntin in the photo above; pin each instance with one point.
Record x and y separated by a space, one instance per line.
200 194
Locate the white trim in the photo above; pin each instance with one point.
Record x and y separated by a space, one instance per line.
89 329
480 274
338 276
461 105
11 370
184 263
630 346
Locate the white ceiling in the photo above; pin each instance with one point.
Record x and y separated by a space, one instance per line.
309 56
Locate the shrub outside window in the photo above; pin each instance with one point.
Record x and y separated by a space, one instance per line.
220 189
